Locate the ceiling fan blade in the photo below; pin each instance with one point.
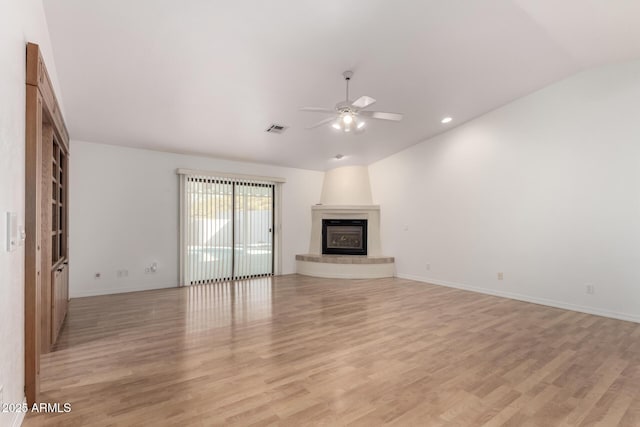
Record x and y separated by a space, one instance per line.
363 102
318 110
322 122
381 115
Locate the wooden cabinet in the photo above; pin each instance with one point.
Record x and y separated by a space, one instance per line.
54 226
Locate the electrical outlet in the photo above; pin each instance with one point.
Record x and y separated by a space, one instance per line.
152 268
428 267
590 289
98 275
501 276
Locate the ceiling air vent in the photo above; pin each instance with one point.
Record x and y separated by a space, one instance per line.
276 129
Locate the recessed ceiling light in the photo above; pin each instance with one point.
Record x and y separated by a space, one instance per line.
446 120
339 156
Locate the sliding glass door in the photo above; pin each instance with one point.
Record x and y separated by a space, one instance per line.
228 229
253 237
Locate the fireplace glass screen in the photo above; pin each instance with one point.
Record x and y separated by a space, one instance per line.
344 237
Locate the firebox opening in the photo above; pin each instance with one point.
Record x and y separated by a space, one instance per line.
344 237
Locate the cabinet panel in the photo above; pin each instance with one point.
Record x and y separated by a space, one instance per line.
48 240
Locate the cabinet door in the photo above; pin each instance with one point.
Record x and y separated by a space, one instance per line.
65 290
60 298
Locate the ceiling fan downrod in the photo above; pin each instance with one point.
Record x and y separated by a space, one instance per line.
347 76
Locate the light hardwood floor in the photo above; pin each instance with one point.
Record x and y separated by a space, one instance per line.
295 350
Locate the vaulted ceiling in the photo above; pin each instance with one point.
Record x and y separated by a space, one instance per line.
208 77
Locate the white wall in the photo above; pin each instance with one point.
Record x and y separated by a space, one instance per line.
22 21
347 185
545 189
124 214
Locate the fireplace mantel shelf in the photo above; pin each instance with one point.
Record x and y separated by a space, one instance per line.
345 207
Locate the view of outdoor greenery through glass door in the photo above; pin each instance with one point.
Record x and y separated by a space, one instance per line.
229 229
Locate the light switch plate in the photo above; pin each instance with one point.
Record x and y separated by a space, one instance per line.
12 231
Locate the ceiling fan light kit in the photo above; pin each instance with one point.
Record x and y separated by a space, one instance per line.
348 122
348 115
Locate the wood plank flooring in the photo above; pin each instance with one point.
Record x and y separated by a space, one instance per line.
295 351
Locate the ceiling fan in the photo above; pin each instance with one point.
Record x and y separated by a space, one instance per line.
347 115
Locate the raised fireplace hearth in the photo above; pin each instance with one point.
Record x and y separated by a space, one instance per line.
344 237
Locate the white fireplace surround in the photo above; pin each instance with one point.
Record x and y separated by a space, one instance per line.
371 213
346 194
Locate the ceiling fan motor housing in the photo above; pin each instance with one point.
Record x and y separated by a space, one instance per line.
345 107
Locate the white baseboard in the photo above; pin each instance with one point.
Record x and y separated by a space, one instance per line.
18 417
116 290
526 298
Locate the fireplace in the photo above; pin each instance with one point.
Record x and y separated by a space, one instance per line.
344 237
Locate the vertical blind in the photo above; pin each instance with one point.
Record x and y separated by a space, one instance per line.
227 228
